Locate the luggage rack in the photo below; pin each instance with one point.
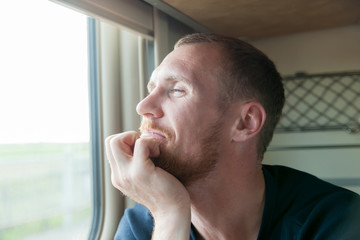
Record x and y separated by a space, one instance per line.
321 102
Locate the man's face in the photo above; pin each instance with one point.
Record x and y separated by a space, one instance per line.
181 112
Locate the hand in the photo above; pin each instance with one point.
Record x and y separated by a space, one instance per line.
135 175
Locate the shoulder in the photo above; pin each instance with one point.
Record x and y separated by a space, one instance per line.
304 205
299 184
333 216
297 188
136 223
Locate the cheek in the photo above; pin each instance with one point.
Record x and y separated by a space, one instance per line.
189 138
190 121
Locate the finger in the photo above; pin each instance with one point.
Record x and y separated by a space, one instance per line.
122 145
153 146
125 141
119 150
108 151
115 174
146 147
115 171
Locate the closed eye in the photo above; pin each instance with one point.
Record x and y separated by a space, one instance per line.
175 92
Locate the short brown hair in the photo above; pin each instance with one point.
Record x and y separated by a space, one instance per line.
250 75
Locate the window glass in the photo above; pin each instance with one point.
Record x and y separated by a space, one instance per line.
45 167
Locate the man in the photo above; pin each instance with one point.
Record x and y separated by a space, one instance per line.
196 169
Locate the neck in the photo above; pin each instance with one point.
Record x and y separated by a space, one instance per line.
228 204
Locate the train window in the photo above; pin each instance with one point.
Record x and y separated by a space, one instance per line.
45 160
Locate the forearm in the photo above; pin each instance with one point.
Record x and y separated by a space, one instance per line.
172 225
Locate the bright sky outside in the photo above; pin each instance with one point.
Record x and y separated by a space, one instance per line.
43 73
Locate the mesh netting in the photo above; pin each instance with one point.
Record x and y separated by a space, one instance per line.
321 102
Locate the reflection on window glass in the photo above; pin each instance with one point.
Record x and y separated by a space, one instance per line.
44 124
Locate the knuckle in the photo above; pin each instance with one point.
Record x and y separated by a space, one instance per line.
120 182
113 141
107 140
121 138
132 133
116 142
110 139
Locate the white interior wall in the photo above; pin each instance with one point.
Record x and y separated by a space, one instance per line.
331 50
325 51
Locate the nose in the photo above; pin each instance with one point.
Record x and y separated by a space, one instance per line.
150 106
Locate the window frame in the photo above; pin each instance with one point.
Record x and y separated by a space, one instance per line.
95 135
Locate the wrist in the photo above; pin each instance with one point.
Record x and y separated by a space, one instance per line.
172 224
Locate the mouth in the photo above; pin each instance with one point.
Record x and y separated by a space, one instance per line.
154 134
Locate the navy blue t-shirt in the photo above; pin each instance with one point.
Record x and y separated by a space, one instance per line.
297 206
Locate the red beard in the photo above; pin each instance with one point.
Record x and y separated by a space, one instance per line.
187 168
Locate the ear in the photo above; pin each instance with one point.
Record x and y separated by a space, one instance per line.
250 120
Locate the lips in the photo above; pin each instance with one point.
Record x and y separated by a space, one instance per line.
154 134
150 129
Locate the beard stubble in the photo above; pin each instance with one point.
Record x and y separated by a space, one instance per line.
188 168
